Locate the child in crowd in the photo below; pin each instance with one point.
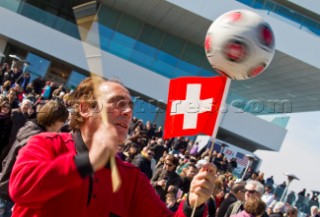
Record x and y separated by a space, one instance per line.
171 201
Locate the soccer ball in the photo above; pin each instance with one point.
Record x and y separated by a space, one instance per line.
239 44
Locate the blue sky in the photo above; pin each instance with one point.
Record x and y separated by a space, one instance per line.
299 154
312 5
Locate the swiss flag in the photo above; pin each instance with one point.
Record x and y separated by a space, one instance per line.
193 105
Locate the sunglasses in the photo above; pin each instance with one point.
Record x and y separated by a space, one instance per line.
150 154
169 165
251 191
6 106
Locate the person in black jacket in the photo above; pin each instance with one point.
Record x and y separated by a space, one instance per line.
166 179
5 122
50 118
38 84
190 172
159 149
143 161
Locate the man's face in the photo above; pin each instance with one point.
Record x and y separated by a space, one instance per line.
160 141
314 211
251 191
241 194
11 95
133 150
267 190
118 106
25 107
30 110
191 172
150 154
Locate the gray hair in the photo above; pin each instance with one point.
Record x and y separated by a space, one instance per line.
313 209
258 186
279 207
26 101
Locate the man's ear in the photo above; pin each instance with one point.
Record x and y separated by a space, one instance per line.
84 110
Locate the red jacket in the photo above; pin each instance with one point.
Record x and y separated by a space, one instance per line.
46 181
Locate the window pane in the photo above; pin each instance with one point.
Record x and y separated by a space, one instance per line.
144 110
75 79
109 17
172 45
38 66
193 54
151 36
129 26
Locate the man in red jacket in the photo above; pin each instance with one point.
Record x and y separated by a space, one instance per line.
69 174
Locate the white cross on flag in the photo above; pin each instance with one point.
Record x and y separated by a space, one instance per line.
193 105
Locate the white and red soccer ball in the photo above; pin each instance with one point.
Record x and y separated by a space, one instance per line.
239 44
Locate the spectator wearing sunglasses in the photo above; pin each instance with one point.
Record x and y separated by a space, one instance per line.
166 179
253 207
143 161
253 189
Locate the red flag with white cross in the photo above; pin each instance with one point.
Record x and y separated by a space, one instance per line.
193 105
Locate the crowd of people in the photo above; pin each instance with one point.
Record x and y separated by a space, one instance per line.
173 168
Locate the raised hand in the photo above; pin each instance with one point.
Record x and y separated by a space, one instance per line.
202 185
104 144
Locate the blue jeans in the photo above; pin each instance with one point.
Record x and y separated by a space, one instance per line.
5 208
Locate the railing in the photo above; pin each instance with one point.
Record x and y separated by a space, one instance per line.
298 20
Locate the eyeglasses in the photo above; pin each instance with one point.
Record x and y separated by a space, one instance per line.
120 103
123 104
251 191
168 164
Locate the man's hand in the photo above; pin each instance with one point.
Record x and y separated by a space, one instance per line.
104 144
202 185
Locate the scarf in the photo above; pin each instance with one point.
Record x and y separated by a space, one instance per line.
4 116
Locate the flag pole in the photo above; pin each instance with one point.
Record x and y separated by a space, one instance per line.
219 116
93 57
